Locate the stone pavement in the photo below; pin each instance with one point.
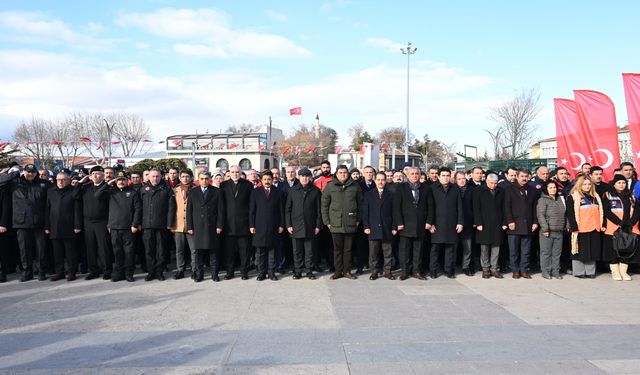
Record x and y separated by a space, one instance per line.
464 326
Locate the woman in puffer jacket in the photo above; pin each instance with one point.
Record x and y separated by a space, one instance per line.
551 217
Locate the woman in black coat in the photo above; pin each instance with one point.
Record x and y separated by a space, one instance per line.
205 221
489 221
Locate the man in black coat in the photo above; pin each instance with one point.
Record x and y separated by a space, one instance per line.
488 210
446 222
125 219
303 219
377 219
410 211
29 199
520 214
467 235
95 213
5 241
236 193
155 211
63 220
205 221
266 223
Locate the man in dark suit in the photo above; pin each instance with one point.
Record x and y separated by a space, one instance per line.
304 221
5 241
236 193
155 197
410 211
205 221
520 214
377 219
266 223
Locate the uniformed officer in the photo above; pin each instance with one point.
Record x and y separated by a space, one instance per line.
155 211
125 216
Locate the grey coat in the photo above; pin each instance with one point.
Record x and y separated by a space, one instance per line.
551 214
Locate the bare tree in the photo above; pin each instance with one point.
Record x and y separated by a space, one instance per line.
34 139
393 135
515 118
496 141
130 132
303 147
243 128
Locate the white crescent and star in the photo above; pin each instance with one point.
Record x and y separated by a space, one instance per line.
582 160
609 157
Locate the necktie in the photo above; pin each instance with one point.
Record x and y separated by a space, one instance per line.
380 194
204 192
266 192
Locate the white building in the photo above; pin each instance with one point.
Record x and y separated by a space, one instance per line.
248 150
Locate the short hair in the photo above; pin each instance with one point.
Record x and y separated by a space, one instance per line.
589 164
523 170
492 176
368 166
174 168
615 170
204 173
325 162
561 169
65 174
380 174
455 175
443 169
135 172
510 168
411 168
596 168
342 166
267 173
434 167
187 171
477 167
155 170
626 164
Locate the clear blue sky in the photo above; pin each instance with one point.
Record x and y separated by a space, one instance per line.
198 65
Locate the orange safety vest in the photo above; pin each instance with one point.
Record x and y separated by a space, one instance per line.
617 208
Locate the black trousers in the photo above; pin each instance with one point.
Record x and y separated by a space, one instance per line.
141 254
302 254
410 254
361 248
374 251
97 242
448 257
7 244
323 248
265 260
65 251
123 244
342 244
208 255
33 249
240 245
154 240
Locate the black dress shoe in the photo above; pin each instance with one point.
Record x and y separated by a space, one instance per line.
42 276
91 276
228 276
215 278
115 279
336 276
433 275
245 277
161 276
71 277
451 275
311 276
282 271
149 277
57 277
468 272
130 278
359 271
106 276
591 276
178 275
3 277
260 277
273 277
374 276
199 277
403 276
296 276
26 276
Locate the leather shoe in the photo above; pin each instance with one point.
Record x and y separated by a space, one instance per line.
433 275
149 277
260 277
71 277
403 276
311 276
106 276
26 276
199 277
359 271
42 276
451 275
215 278
161 276
525 275
336 276
350 276
468 272
546 276
374 276
389 275
296 276
228 276
516 275
419 276
273 277
91 276
178 275
115 279
496 274
130 278
245 277
486 274
591 276
57 277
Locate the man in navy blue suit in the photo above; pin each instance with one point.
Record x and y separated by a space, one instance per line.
377 219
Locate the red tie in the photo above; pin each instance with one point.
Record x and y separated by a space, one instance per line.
266 192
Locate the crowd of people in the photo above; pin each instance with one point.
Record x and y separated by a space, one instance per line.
409 223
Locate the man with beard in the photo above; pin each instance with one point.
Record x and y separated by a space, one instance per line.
236 193
597 176
29 199
178 224
324 244
172 177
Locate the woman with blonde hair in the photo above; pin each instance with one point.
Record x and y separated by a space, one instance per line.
585 215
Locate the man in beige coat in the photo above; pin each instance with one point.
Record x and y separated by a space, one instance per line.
178 223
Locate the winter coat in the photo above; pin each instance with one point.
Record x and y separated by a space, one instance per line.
551 213
125 207
377 214
204 215
302 211
447 213
266 215
408 212
489 213
342 206
155 205
236 207
28 200
63 213
520 208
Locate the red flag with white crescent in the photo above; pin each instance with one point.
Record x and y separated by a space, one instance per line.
632 97
295 111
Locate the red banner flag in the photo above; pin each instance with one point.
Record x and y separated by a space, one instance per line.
597 116
85 139
632 97
295 111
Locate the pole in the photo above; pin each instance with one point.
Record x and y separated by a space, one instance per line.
409 51
109 130
393 156
193 157
270 144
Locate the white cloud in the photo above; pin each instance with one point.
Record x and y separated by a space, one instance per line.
275 16
207 32
448 103
35 27
384 43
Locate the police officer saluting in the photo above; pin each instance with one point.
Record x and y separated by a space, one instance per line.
125 216
63 220
29 198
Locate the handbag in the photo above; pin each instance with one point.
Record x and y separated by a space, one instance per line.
624 243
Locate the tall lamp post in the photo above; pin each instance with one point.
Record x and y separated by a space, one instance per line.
407 51
109 132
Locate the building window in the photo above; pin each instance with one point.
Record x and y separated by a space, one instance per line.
223 164
267 165
245 164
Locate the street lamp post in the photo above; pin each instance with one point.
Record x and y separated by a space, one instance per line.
109 131
407 51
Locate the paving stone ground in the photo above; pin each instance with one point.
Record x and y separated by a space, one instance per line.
464 326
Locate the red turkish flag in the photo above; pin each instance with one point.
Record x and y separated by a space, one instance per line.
597 116
632 96
295 111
